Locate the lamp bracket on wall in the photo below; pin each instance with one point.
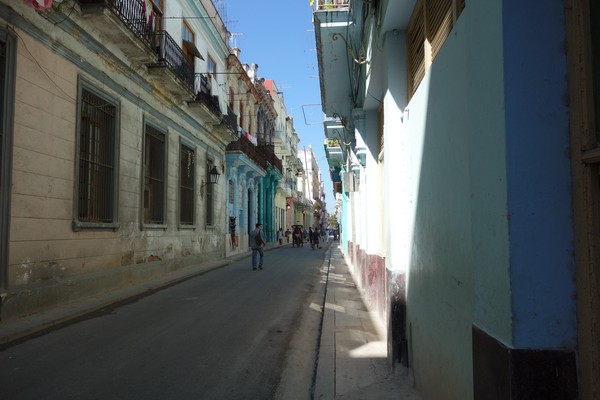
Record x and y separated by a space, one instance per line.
213 179
359 61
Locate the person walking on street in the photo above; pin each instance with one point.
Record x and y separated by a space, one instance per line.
257 242
314 239
280 236
288 234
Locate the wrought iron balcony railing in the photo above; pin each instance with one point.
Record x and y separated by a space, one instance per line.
329 5
131 12
202 83
268 153
332 143
170 55
231 120
245 146
203 94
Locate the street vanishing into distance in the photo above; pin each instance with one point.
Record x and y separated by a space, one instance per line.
231 333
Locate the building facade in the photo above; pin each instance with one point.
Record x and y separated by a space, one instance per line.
134 143
460 137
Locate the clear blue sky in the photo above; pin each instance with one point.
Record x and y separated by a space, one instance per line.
279 37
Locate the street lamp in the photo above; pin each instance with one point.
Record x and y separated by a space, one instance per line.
213 178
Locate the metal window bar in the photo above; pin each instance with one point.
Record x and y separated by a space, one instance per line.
96 159
154 179
231 120
209 197
186 185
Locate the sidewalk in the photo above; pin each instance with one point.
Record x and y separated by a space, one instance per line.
352 360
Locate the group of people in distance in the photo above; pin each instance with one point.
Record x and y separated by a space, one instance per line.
257 241
313 236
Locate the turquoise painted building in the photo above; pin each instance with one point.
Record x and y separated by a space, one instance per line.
463 202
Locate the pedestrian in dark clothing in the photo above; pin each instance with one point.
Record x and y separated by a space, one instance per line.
257 242
314 239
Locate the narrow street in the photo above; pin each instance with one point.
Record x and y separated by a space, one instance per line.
222 335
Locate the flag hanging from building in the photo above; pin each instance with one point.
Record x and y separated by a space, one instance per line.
39 4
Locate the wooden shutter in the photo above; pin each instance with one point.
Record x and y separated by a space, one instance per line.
439 21
416 48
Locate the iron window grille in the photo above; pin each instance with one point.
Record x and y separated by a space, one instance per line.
97 160
154 176
187 178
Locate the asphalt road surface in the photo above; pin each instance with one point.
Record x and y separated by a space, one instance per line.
231 333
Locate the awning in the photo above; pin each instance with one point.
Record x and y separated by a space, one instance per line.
191 47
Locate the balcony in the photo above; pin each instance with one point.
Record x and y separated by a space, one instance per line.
172 68
335 28
268 153
228 126
260 155
229 121
244 146
335 174
205 104
124 24
332 5
334 152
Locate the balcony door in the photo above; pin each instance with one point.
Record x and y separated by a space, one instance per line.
188 45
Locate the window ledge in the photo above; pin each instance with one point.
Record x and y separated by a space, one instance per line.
153 227
186 227
85 226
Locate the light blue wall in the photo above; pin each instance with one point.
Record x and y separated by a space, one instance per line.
441 264
483 180
489 224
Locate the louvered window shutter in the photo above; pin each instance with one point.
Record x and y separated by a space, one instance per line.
416 48
439 21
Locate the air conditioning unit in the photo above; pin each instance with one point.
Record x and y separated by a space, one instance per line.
350 183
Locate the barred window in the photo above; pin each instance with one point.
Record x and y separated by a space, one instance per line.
154 176
209 194
187 174
97 159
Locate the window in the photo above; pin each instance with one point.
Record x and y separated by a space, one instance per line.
209 194
231 193
96 163
188 46
187 178
429 26
211 67
155 17
154 176
416 48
